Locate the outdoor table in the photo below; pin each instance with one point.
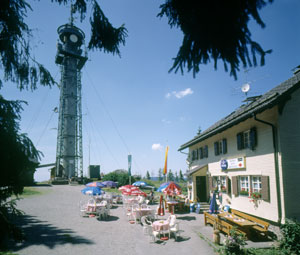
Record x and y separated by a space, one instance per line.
243 223
161 226
92 208
139 212
171 206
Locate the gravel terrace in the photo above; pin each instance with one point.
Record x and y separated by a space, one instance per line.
53 226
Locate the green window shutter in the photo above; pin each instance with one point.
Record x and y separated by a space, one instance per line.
265 190
193 155
210 183
235 185
201 153
224 145
197 154
227 185
216 144
253 138
240 141
206 151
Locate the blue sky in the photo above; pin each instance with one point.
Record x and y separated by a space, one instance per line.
132 104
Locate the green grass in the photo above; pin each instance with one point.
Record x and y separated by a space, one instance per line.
32 191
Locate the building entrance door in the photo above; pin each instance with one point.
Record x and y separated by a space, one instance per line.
201 190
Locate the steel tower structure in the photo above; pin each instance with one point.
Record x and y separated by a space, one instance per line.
69 136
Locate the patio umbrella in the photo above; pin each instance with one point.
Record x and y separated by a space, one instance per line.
140 183
128 187
162 187
134 192
110 184
95 184
92 191
213 207
172 189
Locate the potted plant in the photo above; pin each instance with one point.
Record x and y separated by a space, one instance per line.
244 192
255 197
234 242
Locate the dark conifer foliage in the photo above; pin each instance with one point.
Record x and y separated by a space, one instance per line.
104 35
215 30
17 59
18 157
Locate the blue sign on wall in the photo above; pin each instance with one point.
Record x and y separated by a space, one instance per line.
224 164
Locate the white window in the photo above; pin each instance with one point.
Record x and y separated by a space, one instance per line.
246 137
219 183
215 182
244 185
256 184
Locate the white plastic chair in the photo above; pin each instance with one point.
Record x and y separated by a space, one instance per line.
152 233
144 224
172 220
175 230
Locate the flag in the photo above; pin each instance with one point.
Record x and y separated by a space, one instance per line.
129 164
166 161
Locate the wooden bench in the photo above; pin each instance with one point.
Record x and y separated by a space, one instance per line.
261 225
222 225
208 218
226 227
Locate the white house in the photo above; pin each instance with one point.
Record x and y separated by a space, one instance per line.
254 150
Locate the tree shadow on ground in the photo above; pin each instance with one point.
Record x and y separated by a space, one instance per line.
188 218
182 238
39 232
110 218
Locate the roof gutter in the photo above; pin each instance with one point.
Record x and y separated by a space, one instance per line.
275 145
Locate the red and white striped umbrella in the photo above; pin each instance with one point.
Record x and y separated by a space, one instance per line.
134 192
128 188
172 189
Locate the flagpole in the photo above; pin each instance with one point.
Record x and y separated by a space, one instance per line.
166 163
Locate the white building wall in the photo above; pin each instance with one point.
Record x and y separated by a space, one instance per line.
258 162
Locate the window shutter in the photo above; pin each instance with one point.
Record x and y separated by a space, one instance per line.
227 185
206 151
240 141
265 190
193 155
253 138
224 145
235 185
197 154
216 148
210 183
201 152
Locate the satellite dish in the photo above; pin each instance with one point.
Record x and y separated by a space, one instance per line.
246 88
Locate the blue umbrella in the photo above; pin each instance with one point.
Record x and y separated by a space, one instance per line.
213 208
92 191
109 184
162 188
95 184
164 185
140 183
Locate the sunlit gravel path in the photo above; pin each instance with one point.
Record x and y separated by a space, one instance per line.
53 226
